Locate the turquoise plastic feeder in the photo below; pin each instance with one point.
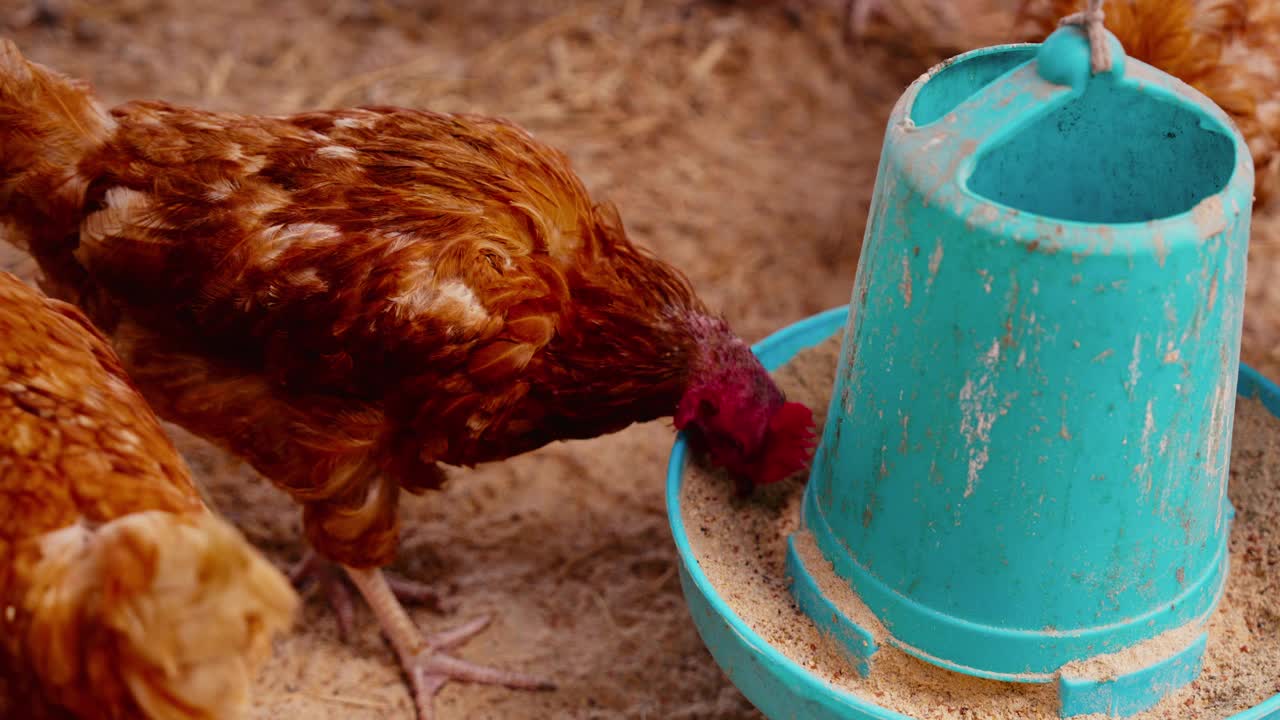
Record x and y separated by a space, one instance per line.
781 688
1025 460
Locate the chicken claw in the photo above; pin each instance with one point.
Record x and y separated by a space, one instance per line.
331 583
426 660
432 668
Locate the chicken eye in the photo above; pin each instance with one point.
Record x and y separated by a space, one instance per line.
707 409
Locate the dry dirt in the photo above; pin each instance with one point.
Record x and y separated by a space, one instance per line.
739 139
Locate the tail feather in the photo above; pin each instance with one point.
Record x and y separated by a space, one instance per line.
154 615
48 123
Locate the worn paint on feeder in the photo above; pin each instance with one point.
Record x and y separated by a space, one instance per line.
1026 462
978 415
935 262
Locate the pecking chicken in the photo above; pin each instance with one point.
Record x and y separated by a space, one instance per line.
122 595
1226 49
351 299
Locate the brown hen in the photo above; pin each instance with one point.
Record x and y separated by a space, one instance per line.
123 597
348 299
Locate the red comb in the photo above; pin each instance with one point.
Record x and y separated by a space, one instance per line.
792 439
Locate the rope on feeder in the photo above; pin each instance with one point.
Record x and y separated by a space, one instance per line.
1093 20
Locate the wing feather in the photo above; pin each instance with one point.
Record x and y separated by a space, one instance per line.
337 237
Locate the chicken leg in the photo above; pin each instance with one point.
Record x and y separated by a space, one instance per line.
426 660
331 582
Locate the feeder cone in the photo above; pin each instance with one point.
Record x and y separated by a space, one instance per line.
1025 462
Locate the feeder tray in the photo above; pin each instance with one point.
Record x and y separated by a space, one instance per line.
1025 460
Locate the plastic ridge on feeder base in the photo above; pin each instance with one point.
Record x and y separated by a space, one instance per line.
1119 695
1007 654
1134 692
857 643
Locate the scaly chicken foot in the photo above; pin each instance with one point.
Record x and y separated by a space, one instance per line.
425 659
327 577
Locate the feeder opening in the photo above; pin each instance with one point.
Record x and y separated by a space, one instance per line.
1115 154
960 80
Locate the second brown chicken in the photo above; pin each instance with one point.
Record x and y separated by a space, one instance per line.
121 594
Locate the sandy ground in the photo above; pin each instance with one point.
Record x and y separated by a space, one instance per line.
739 141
